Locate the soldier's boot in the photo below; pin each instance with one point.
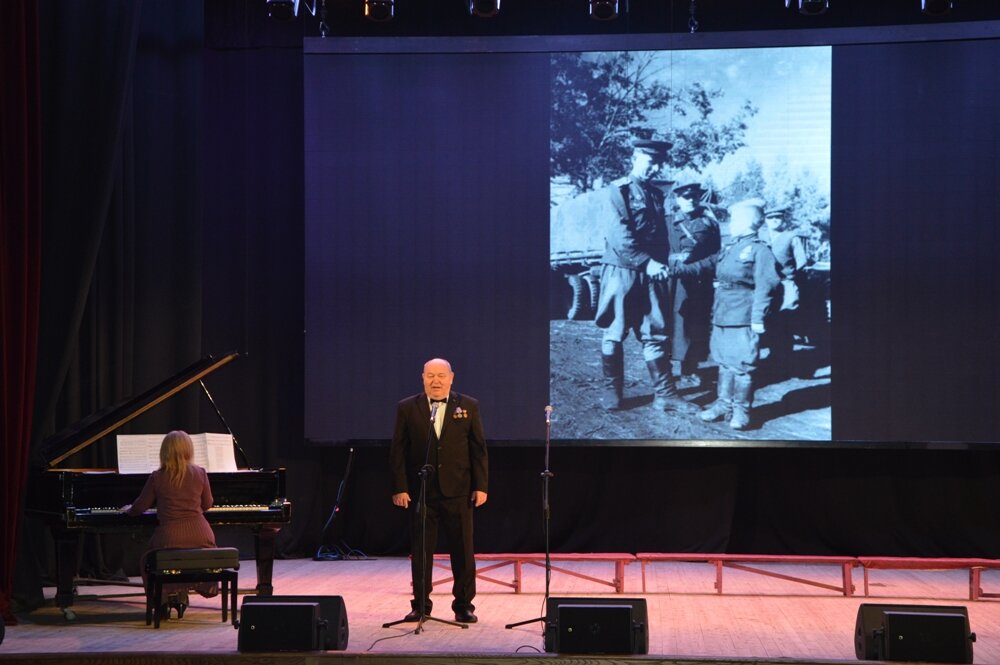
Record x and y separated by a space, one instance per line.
686 374
665 396
722 407
613 368
742 399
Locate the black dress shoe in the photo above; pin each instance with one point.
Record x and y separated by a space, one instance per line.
414 615
465 616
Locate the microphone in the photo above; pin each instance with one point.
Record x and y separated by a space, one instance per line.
548 414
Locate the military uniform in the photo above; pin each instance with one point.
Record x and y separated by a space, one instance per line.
631 300
746 279
789 249
694 244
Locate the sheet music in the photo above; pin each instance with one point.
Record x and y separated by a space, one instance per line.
140 453
218 451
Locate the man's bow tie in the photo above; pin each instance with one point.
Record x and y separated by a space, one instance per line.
439 401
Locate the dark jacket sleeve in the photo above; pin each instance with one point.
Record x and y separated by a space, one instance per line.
398 451
477 454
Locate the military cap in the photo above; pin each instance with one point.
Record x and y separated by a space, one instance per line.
691 190
776 212
653 147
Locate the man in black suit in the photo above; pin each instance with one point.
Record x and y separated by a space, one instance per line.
443 430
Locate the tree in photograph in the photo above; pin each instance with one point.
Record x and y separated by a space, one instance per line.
602 101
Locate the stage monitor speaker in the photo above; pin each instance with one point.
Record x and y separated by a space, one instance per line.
927 633
280 627
596 625
332 610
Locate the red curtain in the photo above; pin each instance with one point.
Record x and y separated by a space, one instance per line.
20 255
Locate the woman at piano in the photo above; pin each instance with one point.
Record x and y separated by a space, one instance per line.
181 494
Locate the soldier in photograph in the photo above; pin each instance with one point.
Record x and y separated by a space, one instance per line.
788 244
635 290
694 243
745 282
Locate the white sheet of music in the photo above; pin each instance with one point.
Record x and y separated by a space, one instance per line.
216 451
140 453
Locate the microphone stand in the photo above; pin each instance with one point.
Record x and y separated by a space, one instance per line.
546 517
336 552
421 508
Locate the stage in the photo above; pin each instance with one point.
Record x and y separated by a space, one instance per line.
758 619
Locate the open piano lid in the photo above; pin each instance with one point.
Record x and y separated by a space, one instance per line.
84 432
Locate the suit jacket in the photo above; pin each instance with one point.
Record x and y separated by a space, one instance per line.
458 458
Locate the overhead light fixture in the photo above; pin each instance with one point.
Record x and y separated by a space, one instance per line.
809 7
935 7
484 8
604 10
380 10
282 9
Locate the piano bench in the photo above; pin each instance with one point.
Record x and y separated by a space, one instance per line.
182 566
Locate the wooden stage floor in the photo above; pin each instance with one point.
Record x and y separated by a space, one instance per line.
759 619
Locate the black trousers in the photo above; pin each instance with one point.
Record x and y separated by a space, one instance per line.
454 516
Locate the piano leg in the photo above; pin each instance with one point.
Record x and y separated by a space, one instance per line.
67 563
264 553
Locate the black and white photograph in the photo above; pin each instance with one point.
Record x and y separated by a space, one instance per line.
670 170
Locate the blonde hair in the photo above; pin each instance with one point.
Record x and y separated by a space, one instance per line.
176 453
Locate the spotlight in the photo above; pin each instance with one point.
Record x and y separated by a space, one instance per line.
484 8
935 7
380 10
282 9
604 10
810 7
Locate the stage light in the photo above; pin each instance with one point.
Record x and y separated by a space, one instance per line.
380 10
810 7
604 10
484 8
935 7
282 9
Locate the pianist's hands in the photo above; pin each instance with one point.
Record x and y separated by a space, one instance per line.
125 509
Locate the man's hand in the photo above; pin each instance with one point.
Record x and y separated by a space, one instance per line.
757 328
402 500
656 270
477 499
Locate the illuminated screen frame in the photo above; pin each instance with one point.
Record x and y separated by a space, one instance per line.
884 402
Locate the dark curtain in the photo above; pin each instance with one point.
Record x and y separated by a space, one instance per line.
121 282
20 243
173 173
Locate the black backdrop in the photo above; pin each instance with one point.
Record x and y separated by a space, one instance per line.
203 160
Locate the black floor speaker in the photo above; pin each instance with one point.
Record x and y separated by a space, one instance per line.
331 635
331 610
280 627
596 625
926 633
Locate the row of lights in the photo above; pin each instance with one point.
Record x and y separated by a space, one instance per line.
928 7
384 10
608 10
600 10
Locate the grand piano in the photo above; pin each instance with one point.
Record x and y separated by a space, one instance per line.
76 501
